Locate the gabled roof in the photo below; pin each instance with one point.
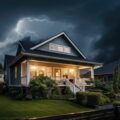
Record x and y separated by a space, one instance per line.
56 36
29 48
27 43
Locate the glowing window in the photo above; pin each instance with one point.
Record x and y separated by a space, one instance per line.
59 48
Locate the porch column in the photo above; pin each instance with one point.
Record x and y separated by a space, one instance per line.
77 77
92 72
28 72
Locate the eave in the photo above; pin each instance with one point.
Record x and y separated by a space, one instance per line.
67 60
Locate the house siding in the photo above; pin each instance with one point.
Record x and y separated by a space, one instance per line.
17 80
60 41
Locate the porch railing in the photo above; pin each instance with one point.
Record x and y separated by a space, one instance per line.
24 81
74 87
87 81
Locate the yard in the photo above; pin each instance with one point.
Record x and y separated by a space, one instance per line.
12 109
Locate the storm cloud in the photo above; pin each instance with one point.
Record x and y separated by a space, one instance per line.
92 24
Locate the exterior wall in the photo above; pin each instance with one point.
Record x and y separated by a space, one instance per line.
63 42
15 75
6 75
1 77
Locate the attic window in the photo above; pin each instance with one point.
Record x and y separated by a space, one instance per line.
59 48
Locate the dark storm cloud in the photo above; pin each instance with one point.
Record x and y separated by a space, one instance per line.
93 22
108 46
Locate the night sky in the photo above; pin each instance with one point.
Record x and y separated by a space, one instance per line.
94 25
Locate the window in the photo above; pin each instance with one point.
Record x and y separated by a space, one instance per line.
66 49
52 47
59 48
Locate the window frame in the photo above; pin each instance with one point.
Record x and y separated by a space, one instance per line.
56 48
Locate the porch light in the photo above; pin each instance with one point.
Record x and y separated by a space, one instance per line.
32 67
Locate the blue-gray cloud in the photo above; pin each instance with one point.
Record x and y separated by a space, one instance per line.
88 22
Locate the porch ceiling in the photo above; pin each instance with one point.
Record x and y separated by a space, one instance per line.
55 64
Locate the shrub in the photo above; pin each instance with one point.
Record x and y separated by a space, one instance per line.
91 98
81 98
42 87
95 98
111 95
67 91
1 87
117 96
56 91
116 103
101 85
17 92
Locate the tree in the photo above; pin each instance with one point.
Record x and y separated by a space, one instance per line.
116 79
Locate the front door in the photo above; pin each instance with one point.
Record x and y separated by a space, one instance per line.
57 73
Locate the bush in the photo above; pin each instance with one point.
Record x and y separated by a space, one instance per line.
111 95
17 92
42 87
95 98
116 103
117 96
91 98
103 86
1 87
67 91
56 91
81 98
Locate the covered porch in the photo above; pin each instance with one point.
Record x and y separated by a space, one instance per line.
63 74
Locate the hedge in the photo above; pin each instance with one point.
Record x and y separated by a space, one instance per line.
91 98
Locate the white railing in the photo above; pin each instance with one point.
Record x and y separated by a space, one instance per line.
74 87
24 81
88 81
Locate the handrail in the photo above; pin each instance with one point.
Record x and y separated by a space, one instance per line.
73 84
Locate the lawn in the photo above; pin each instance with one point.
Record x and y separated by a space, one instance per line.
12 109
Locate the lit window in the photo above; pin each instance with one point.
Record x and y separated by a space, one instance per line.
52 47
59 48
66 49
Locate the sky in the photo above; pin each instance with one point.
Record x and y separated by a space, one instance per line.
94 25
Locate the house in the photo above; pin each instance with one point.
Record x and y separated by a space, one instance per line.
1 74
57 57
105 73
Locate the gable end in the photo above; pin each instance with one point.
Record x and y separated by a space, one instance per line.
53 38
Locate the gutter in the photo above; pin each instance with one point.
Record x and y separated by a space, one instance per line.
67 59
51 57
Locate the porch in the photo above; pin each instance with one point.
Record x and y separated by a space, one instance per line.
64 74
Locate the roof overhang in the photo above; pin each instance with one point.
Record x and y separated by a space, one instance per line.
67 60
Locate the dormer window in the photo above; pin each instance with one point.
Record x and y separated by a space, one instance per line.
59 48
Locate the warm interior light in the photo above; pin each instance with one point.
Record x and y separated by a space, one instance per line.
32 67
43 69
71 70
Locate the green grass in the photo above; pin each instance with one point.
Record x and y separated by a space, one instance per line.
13 109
